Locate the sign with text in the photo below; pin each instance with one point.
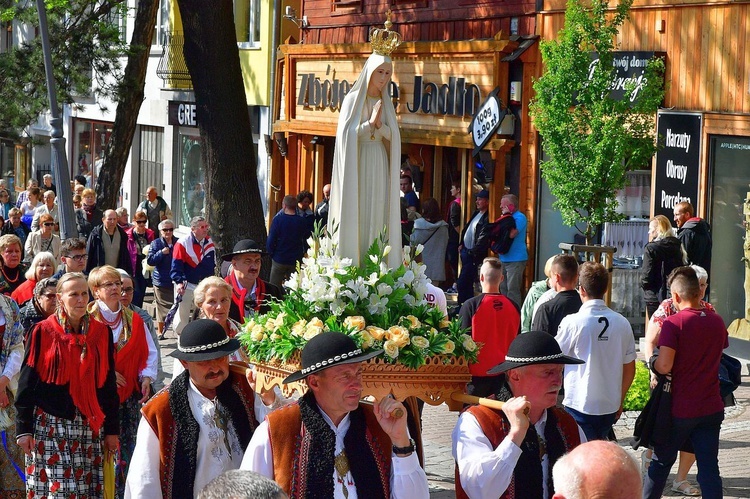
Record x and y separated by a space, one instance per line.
630 69
485 121
677 160
182 113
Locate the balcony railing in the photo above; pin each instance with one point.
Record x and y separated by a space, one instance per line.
172 67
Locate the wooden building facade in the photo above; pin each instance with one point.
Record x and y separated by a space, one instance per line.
460 49
707 53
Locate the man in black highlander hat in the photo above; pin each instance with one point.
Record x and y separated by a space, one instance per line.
250 293
510 453
328 445
197 427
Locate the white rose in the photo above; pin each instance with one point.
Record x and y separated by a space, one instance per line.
311 332
469 344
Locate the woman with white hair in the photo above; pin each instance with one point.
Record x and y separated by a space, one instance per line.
42 266
653 330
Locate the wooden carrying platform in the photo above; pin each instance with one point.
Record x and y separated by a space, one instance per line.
434 383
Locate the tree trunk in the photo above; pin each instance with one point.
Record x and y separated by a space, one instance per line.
129 104
233 204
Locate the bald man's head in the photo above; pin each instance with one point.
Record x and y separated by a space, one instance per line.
597 470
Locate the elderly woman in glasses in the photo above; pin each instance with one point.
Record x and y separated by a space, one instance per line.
67 393
43 239
42 305
135 359
42 266
139 239
5 204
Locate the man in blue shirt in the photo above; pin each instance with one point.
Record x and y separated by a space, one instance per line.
412 201
514 261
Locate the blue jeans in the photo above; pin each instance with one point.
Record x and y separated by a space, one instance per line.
469 275
703 432
596 427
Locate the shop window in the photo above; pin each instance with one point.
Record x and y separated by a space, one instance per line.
151 164
89 140
729 190
247 23
341 7
191 194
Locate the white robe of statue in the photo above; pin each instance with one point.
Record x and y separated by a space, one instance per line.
366 169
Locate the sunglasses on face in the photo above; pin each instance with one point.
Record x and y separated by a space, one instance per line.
49 224
168 230
140 221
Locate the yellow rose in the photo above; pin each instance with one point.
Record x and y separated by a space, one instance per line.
316 322
444 323
449 347
298 329
256 330
275 337
399 335
277 322
257 335
355 321
391 349
469 344
420 341
312 331
376 332
367 340
413 322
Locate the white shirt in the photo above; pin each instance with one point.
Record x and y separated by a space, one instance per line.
604 339
214 457
435 297
486 472
469 234
152 362
408 480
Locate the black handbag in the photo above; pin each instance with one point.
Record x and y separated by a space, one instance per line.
654 423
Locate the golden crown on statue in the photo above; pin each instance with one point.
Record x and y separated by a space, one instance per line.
385 41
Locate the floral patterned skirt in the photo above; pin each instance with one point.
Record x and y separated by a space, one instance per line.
66 460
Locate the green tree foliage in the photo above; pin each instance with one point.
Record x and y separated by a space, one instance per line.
86 43
592 139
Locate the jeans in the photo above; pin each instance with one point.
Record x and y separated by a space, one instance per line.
513 280
703 432
596 427
469 275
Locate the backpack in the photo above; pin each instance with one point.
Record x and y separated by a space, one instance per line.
498 234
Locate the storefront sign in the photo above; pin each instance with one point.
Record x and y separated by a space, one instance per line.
455 98
485 121
182 114
630 68
677 160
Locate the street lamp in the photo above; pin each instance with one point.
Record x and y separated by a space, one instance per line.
57 141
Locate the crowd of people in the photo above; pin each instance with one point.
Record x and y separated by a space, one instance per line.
80 359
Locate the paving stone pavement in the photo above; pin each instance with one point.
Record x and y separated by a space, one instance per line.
438 423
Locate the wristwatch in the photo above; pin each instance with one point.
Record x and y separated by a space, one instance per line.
405 450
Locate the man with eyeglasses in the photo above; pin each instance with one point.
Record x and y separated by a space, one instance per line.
108 245
48 208
73 256
160 258
193 259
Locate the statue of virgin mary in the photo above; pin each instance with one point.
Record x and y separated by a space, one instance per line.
366 166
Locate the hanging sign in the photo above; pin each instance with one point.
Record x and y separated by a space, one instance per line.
677 160
486 120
